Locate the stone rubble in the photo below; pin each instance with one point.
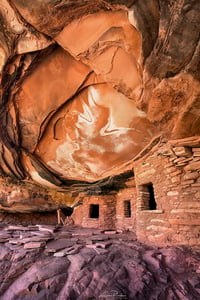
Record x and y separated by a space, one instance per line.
81 263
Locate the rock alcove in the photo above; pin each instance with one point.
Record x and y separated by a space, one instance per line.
88 89
99 111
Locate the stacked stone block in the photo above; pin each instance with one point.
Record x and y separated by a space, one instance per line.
123 222
107 212
174 170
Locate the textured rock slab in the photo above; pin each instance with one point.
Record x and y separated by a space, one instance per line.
71 250
15 228
36 239
125 268
4 252
57 245
40 271
33 245
47 228
103 245
4 236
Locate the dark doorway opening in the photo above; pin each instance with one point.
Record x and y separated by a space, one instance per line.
94 211
127 208
148 201
152 201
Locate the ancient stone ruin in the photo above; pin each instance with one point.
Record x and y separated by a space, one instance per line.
100 127
100 106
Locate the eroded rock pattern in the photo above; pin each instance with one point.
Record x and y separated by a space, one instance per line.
48 262
75 109
83 91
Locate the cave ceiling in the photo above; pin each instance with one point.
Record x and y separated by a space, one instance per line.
87 85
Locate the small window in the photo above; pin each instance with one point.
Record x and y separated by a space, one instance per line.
94 211
152 201
127 208
148 201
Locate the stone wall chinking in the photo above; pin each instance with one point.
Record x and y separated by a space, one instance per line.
173 169
111 211
124 222
107 212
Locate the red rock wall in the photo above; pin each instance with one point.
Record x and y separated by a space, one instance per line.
107 212
26 219
23 197
123 222
173 169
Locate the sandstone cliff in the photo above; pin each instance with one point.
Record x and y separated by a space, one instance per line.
87 85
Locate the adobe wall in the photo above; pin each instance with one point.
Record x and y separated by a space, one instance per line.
174 171
123 222
107 212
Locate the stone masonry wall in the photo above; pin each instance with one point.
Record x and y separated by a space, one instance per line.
107 212
174 171
123 222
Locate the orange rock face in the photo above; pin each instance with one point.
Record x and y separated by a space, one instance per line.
93 135
77 117
83 91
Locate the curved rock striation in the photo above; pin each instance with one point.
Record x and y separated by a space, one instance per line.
86 86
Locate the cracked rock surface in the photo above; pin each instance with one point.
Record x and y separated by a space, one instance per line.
71 106
86 85
51 262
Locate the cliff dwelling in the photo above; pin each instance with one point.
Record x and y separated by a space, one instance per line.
100 126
